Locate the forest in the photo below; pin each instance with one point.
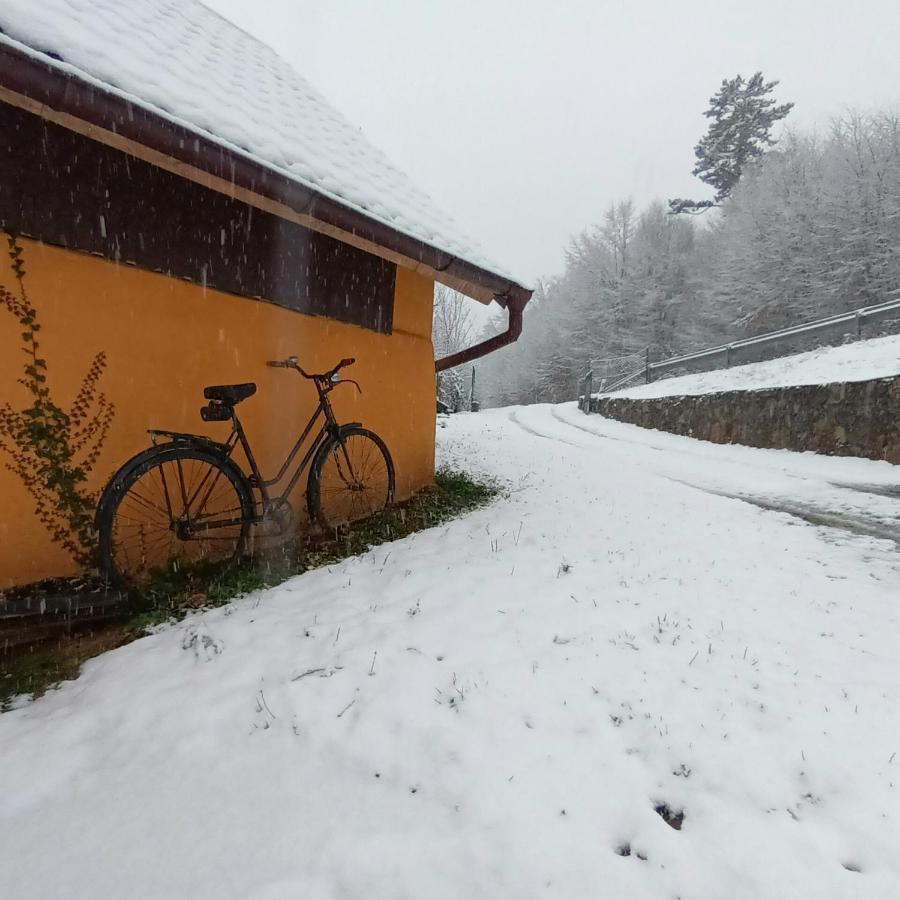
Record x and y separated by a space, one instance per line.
805 227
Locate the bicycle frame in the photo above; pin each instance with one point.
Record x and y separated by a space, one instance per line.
329 429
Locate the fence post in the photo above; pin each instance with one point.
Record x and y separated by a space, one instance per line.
589 389
647 376
858 325
728 356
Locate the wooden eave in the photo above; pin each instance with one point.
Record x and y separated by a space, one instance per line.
59 96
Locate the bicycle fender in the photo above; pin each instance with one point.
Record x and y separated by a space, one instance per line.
182 437
156 450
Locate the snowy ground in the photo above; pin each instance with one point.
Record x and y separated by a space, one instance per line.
859 361
494 708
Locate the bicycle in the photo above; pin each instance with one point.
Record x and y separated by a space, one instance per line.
186 501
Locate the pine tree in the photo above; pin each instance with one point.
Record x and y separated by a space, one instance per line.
742 113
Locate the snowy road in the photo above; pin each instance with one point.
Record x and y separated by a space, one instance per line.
849 495
497 708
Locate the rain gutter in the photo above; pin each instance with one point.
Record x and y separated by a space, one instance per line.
515 306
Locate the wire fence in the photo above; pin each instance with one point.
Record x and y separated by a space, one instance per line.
849 324
612 369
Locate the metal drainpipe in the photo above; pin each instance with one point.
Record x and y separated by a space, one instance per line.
514 309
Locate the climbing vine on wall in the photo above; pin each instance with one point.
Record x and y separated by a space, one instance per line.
53 451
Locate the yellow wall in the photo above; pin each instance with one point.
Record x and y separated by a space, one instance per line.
166 339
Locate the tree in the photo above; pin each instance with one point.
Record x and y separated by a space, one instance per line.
451 331
659 283
742 114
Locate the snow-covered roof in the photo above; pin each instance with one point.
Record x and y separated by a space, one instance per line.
186 63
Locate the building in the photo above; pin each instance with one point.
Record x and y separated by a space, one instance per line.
189 207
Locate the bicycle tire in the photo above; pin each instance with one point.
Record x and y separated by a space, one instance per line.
331 501
157 546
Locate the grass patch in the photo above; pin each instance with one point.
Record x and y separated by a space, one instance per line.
453 494
36 669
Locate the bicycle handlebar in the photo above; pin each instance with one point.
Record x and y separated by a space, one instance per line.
292 362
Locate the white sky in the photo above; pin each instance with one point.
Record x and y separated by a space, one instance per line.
525 118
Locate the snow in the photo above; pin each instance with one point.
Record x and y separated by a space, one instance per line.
859 361
494 707
190 65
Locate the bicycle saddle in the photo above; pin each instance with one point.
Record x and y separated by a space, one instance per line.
229 394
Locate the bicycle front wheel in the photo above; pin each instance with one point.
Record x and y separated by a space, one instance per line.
172 511
352 478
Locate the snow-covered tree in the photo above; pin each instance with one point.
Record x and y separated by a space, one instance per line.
812 228
451 331
742 113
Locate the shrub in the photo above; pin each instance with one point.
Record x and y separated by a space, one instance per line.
53 451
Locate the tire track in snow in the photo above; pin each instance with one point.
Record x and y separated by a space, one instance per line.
823 517
530 429
751 457
836 513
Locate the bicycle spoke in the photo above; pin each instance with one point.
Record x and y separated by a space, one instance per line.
147 504
203 481
139 514
185 509
165 487
196 472
145 550
366 459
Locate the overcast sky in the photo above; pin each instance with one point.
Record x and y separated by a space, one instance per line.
525 118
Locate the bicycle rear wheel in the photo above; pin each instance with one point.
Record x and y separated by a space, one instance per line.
351 478
172 511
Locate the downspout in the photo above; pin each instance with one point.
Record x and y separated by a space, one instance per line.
514 301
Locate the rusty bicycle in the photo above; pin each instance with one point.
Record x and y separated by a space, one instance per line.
186 500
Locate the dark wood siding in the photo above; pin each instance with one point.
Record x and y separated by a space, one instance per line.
65 189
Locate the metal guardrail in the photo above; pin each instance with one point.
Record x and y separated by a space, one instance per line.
727 354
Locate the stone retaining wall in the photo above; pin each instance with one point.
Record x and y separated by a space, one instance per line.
856 419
